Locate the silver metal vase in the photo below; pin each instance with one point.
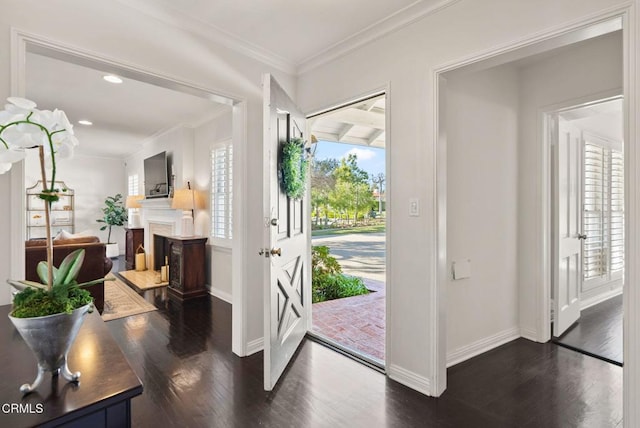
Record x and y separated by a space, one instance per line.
50 339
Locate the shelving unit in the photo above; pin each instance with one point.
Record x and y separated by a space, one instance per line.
62 211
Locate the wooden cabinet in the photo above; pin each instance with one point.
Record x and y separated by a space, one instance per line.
133 238
187 264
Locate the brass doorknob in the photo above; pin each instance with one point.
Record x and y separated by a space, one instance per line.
276 252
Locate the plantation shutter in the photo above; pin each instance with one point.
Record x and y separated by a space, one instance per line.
132 189
221 191
603 211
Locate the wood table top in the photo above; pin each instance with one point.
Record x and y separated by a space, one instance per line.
107 377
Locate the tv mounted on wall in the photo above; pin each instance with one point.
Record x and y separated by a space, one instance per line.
156 176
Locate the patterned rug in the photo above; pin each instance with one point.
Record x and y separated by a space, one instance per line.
121 301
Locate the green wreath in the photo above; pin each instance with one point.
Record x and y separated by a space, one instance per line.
294 168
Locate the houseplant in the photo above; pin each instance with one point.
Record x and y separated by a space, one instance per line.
115 214
48 315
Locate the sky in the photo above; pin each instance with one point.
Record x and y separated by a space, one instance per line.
370 159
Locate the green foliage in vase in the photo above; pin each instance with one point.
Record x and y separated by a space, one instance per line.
327 280
115 214
294 168
65 294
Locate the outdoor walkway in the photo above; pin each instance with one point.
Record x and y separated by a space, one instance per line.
355 322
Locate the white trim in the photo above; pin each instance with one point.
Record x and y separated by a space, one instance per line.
631 321
18 202
529 334
569 33
394 22
222 295
176 19
481 346
254 346
592 301
409 378
239 259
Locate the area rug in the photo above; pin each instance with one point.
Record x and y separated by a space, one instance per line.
121 301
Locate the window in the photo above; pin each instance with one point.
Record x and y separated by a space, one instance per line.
221 191
133 185
132 189
603 213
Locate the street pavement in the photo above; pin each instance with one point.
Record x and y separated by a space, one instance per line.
359 254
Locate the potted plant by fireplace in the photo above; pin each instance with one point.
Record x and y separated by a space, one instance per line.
115 214
49 314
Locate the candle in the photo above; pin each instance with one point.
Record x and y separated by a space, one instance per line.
140 261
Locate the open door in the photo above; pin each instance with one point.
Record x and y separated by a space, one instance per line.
287 293
568 236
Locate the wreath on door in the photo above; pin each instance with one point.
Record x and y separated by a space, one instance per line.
294 168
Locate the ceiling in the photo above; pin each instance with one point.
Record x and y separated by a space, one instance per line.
603 119
361 123
291 30
124 115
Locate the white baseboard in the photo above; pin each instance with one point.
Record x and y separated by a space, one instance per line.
222 295
529 334
254 346
483 345
587 303
410 379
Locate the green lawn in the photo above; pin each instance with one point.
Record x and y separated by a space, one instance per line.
344 231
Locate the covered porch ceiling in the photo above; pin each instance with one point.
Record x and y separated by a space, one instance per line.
361 123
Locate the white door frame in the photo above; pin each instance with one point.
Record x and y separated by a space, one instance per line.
21 42
386 89
626 17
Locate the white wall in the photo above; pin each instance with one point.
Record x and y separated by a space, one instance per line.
582 72
482 207
92 179
404 60
217 130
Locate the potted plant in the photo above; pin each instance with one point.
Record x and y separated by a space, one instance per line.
115 214
48 315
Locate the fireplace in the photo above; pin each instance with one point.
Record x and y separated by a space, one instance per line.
157 231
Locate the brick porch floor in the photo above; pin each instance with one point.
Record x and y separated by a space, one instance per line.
356 322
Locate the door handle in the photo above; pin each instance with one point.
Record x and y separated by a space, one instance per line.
276 252
582 236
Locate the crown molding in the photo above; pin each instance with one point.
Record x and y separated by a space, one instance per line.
394 22
177 19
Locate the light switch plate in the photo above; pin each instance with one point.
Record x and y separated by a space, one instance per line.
414 207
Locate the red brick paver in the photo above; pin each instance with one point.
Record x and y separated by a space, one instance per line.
356 322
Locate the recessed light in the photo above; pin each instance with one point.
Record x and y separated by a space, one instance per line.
85 122
112 79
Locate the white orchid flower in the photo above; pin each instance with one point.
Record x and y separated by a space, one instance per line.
23 126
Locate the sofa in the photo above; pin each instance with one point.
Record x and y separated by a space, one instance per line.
96 264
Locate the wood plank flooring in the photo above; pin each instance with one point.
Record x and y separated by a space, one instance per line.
598 332
182 354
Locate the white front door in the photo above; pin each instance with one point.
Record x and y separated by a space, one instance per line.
567 269
288 289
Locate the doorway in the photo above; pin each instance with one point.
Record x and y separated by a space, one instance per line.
348 219
588 228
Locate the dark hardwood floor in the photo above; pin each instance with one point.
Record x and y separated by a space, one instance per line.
598 332
182 354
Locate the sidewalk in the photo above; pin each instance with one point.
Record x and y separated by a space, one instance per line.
356 322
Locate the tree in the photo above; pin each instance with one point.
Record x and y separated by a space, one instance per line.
378 183
322 183
352 191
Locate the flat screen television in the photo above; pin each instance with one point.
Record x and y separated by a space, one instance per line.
156 176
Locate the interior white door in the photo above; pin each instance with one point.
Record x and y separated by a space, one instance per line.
568 226
287 293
